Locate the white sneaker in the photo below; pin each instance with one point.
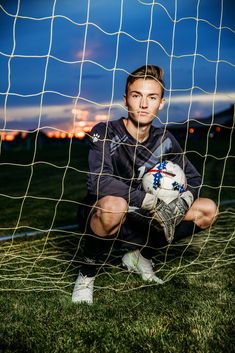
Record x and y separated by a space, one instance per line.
135 262
83 289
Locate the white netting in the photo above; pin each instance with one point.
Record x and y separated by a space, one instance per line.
73 63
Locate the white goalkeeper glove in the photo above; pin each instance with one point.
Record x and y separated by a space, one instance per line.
168 216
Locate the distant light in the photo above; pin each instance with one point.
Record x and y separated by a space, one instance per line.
87 129
9 137
218 129
63 135
191 130
50 134
57 134
70 135
211 135
80 135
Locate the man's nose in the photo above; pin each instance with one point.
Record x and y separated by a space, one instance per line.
144 102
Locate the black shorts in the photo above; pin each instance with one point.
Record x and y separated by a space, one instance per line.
136 231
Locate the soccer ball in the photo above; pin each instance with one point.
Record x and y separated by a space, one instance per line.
166 180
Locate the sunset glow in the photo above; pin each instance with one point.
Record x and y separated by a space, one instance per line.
7 137
80 135
50 134
63 135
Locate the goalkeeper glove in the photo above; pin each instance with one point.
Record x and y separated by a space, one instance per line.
168 216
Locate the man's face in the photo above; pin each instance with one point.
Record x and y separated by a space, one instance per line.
143 101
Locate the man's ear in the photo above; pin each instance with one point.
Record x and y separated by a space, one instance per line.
124 100
162 104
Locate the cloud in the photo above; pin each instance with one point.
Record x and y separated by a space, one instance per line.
228 97
64 116
80 115
67 116
89 52
101 117
23 113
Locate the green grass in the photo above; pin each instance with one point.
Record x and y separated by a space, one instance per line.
48 187
166 319
192 311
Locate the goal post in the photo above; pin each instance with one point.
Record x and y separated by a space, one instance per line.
64 66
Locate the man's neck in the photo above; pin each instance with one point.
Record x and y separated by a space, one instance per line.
139 133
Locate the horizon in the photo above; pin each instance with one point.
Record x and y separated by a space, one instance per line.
81 132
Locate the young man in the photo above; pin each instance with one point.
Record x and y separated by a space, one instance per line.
117 208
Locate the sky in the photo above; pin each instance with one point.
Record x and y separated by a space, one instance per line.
64 63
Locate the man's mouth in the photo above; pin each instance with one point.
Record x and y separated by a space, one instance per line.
143 112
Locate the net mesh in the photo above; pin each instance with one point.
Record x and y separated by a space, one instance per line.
43 168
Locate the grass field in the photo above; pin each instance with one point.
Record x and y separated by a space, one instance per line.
193 311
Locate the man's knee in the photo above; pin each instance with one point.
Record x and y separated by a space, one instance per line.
112 204
109 213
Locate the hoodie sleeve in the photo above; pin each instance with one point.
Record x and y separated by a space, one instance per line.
102 180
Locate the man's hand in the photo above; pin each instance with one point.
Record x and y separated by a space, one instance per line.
168 216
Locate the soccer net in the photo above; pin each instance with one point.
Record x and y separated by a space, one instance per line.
63 70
